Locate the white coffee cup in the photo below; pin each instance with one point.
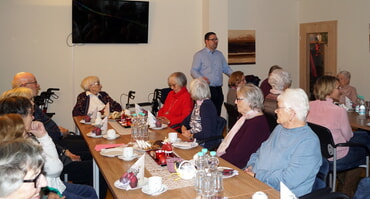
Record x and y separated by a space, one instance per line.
128 152
111 133
154 184
172 137
259 195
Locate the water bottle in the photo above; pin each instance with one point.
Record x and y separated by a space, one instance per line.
362 107
201 173
206 157
213 161
134 127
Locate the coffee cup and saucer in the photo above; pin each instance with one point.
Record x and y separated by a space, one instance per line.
154 186
111 135
128 154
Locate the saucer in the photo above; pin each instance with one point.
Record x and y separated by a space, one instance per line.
163 189
159 128
83 122
91 134
231 173
119 185
113 152
111 138
127 159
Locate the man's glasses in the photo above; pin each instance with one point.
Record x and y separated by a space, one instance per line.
215 39
34 181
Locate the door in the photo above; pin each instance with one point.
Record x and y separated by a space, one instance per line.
318 53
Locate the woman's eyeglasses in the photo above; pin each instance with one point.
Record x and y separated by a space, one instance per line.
34 181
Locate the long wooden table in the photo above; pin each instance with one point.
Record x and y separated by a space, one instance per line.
240 186
358 122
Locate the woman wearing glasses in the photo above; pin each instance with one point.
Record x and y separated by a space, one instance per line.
21 163
291 154
249 131
93 98
34 129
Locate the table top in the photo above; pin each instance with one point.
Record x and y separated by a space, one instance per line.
358 122
240 186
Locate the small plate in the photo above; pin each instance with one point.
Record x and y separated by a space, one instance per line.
113 152
127 159
83 122
90 134
185 145
113 138
159 128
145 190
119 185
234 172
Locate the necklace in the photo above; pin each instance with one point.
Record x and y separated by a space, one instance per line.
171 106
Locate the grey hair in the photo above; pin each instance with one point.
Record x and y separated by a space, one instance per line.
280 79
180 78
345 73
17 157
199 89
253 95
88 81
296 99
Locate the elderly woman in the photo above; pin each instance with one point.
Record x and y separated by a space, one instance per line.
250 130
325 113
345 89
236 80
279 80
292 153
93 98
265 86
53 166
201 122
178 103
21 164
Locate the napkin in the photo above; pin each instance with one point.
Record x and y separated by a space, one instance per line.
99 147
151 119
138 109
94 114
348 103
139 167
104 127
285 192
107 109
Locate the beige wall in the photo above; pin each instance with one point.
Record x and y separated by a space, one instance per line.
34 37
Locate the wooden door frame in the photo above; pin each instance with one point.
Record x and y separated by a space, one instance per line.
330 61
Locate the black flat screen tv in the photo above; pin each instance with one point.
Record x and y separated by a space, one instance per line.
110 21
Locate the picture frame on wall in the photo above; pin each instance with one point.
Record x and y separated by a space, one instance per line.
241 47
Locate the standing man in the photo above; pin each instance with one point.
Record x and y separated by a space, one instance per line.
209 64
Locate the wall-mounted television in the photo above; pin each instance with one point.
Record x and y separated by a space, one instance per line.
110 21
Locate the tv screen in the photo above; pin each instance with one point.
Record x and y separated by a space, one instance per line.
110 21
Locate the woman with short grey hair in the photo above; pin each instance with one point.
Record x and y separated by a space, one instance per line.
21 163
201 122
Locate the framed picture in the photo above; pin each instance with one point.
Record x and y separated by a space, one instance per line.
242 47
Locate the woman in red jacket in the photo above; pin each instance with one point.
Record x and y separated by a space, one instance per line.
178 103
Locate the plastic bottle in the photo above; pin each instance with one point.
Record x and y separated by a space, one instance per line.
134 127
201 173
215 174
213 161
362 107
206 157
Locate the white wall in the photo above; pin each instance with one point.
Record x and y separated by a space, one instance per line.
353 35
34 35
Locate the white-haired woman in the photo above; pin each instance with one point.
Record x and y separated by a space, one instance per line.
93 98
292 153
201 122
249 131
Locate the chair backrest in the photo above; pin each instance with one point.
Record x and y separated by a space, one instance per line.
159 97
271 119
212 143
326 139
232 113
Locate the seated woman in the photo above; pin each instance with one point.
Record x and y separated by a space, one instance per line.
250 130
178 103
53 166
236 80
21 164
93 98
201 122
292 153
325 113
345 89
265 86
279 81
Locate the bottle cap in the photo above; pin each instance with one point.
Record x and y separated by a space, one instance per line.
200 153
213 153
204 150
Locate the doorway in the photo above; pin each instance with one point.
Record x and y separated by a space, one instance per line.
318 53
